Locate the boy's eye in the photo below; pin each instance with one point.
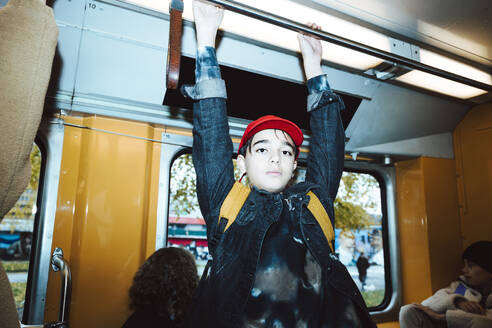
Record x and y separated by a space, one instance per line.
286 152
261 150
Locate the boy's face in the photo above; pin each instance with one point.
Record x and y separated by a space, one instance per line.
475 275
270 162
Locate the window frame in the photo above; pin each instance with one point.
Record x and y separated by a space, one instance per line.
384 230
50 142
385 175
388 309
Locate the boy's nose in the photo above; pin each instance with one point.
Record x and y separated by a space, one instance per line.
274 158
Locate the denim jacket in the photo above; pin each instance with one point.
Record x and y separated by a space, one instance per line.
236 253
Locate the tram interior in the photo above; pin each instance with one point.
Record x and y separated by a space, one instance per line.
85 82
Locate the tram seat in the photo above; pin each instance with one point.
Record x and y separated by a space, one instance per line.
28 37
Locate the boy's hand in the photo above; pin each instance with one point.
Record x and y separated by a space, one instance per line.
311 50
207 21
469 306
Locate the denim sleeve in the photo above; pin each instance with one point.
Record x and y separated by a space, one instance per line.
212 145
327 143
207 67
207 75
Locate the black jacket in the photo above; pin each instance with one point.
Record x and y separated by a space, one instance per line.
221 299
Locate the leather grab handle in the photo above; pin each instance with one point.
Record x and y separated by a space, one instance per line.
174 44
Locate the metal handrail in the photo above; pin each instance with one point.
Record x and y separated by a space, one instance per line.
388 56
58 263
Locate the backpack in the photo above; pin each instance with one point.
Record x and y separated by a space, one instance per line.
237 196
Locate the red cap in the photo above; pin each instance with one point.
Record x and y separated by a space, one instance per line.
273 122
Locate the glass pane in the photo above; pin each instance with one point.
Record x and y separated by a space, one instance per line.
358 231
186 227
358 226
16 231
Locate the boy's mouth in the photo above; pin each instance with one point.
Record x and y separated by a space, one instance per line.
274 173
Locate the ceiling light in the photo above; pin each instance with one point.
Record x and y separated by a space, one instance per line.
447 64
281 37
439 84
287 39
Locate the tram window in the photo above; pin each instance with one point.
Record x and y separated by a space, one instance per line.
186 226
16 230
359 233
358 225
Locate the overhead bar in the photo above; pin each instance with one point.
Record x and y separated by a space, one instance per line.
388 56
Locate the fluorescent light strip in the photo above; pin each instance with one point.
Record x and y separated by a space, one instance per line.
281 37
432 59
287 39
277 36
303 14
439 84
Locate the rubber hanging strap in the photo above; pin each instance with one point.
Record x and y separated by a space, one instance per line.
174 45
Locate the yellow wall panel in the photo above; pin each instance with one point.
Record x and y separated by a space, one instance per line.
412 225
428 221
444 233
473 145
106 216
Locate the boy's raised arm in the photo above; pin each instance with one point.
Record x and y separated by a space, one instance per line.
212 145
327 143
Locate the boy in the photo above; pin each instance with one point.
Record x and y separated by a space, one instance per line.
273 266
465 303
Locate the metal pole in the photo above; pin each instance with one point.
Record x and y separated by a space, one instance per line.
388 56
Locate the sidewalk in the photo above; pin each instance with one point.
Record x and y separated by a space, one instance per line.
17 276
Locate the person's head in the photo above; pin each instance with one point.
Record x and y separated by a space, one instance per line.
165 283
376 240
268 152
346 241
478 264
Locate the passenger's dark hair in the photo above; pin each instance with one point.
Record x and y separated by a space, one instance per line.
479 253
247 145
165 283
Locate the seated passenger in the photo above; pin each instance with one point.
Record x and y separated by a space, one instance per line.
465 303
162 289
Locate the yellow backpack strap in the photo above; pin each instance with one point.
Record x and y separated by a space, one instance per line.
237 196
318 211
233 203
